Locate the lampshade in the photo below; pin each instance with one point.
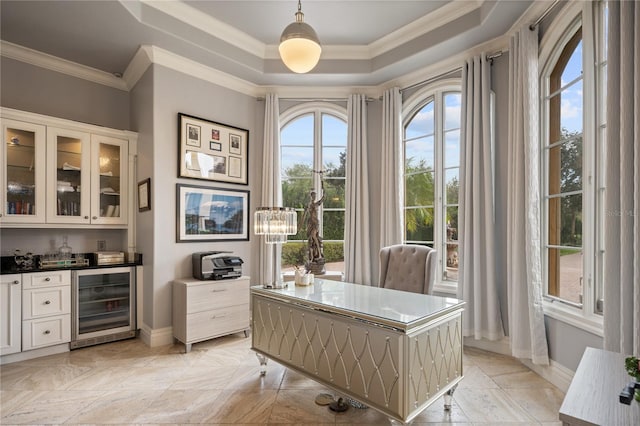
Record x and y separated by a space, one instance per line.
275 223
299 45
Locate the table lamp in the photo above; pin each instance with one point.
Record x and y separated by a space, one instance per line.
275 223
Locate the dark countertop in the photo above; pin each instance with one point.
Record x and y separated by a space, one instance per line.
8 264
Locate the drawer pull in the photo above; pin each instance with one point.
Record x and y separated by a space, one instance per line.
47 332
218 290
218 316
47 279
47 302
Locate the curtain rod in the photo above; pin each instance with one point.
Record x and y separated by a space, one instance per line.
439 76
544 15
261 98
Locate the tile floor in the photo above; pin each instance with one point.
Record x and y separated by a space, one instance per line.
218 382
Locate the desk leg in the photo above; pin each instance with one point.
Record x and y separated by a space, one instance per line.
263 363
448 397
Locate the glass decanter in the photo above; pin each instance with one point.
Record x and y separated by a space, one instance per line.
64 251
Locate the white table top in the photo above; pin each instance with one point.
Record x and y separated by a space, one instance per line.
593 396
397 309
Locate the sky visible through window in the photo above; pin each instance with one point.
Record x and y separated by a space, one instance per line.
571 104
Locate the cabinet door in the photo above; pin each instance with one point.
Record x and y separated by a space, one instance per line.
23 172
109 180
10 314
68 176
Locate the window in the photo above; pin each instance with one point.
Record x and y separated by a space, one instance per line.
431 146
313 151
574 128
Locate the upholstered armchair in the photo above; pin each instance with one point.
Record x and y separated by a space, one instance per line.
408 267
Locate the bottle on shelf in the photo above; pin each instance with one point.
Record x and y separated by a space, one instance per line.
64 251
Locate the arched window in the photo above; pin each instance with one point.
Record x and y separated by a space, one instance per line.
573 80
313 139
431 146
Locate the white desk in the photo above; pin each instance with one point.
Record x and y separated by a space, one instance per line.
593 396
394 351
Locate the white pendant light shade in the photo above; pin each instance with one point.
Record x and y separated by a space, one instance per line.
299 45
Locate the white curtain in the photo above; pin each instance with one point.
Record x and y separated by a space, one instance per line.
524 276
271 188
622 221
391 197
357 247
477 282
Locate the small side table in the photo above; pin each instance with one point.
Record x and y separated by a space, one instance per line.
593 396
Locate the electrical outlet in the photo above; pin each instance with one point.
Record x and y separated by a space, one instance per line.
102 245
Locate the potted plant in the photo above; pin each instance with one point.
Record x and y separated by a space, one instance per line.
632 365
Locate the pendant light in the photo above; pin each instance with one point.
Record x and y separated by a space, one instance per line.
299 45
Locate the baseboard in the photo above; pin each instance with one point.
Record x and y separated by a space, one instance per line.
34 353
156 337
502 347
555 373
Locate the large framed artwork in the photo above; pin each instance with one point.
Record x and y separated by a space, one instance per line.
211 214
212 151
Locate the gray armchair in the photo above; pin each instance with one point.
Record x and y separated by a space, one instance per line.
408 267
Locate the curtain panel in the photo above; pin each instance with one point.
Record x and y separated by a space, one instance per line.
391 197
357 246
622 214
271 187
524 276
477 281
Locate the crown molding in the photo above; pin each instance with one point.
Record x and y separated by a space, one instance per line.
53 63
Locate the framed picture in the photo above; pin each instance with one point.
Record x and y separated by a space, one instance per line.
144 195
211 214
212 161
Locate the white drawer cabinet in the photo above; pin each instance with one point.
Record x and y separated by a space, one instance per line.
206 309
46 309
10 314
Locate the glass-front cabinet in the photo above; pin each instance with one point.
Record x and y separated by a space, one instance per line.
109 158
23 172
87 178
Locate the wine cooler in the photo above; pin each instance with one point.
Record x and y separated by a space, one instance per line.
104 306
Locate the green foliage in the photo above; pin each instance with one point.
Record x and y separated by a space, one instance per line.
632 365
571 180
295 253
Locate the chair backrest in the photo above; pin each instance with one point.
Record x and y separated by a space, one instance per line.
408 267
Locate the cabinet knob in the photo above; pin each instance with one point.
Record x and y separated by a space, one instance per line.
47 302
218 290
47 279
47 332
16 282
86 217
95 217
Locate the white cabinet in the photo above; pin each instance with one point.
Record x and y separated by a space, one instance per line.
86 178
46 309
60 172
10 313
203 310
23 172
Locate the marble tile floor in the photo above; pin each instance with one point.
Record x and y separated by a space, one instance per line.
218 382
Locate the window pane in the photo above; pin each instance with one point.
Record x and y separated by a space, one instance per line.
422 124
419 189
571 109
452 186
451 271
565 221
565 269
419 154
419 223
573 69
293 254
296 162
565 167
334 256
333 225
334 193
333 160
334 131
452 112
452 224
452 148
298 132
295 192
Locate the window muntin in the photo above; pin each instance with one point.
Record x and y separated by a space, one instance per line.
313 137
431 148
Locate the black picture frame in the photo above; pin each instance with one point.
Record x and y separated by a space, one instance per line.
144 195
206 214
198 159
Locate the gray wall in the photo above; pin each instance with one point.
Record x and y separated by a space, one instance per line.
30 88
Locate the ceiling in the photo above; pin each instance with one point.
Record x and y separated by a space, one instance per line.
365 43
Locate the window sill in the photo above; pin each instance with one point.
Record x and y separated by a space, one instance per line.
446 288
574 317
